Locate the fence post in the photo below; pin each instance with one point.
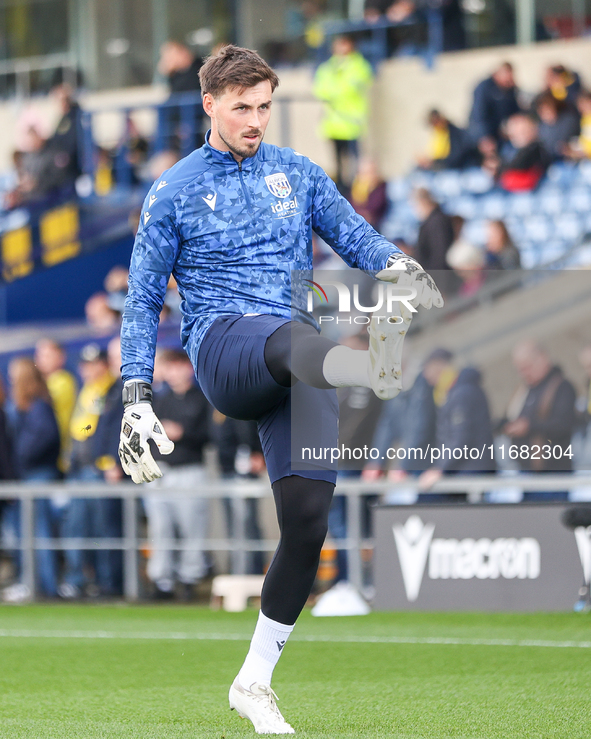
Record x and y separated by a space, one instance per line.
354 503
28 544
239 554
130 558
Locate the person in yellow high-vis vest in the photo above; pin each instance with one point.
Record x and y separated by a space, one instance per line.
342 83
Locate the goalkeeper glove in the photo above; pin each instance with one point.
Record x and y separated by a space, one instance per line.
139 424
406 272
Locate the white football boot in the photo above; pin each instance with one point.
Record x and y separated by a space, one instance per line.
386 337
259 706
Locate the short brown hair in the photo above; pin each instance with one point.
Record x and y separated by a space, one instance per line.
235 67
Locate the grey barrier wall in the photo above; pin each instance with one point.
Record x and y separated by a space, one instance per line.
463 564
478 558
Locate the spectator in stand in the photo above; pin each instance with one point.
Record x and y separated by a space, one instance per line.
374 10
525 161
100 316
452 19
36 447
106 460
501 252
240 453
6 466
88 517
450 147
582 447
181 69
468 262
343 83
436 235
359 410
368 193
64 145
495 101
184 413
463 420
50 359
559 123
563 84
580 148
545 414
115 285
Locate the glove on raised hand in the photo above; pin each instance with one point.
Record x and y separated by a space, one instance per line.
407 272
139 424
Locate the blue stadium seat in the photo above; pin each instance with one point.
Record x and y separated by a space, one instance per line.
516 228
529 256
579 199
464 206
447 184
538 229
494 206
521 204
550 201
585 172
568 227
477 181
562 174
475 232
398 189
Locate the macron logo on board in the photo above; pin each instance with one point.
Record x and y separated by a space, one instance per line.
468 558
412 543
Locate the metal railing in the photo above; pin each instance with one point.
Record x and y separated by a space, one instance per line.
22 70
239 491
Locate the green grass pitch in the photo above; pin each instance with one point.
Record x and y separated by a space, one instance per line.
93 672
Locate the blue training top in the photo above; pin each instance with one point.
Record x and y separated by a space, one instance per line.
231 234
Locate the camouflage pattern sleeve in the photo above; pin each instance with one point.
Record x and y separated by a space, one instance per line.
348 233
154 255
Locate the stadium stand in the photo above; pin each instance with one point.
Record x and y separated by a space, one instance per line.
545 224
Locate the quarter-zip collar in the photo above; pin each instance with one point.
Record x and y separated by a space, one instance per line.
211 154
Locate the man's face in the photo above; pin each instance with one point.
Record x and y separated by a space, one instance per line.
239 118
585 360
532 366
93 371
504 78
48 357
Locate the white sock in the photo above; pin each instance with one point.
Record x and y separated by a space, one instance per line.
266 646
346 367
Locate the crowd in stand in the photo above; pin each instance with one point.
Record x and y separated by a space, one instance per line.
58 425
513 138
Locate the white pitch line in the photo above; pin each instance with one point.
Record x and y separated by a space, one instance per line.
187 636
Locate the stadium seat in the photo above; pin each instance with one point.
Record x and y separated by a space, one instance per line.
398 189
447 184
494 206
521 204
568 227
476 181
475 232
464 206
538 229
579 199
585 172
550 201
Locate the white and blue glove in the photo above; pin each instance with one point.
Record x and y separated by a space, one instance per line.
139 424
407 272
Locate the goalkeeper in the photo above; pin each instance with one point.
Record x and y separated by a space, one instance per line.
231 222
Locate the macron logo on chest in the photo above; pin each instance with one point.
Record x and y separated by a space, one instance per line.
211 200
